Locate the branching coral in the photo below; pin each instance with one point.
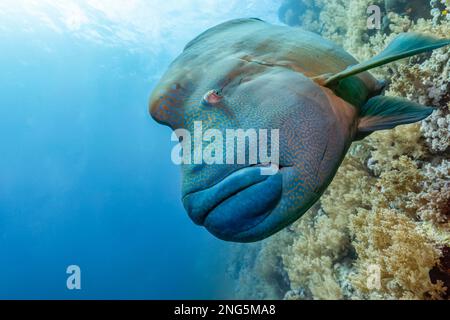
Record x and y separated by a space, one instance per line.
389 145
433 202
401 254
319 254
310 259
436 129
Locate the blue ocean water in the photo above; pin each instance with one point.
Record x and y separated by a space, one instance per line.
85 175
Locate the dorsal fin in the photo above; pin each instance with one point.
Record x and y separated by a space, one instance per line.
404 45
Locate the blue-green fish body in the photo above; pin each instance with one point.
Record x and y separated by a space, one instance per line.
246 74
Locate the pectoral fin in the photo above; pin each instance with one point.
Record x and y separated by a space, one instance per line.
404 45
380 113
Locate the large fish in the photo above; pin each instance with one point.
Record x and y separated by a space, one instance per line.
246 74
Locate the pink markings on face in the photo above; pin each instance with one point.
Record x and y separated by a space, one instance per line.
212 97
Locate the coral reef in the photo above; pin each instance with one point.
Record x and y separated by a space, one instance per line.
399 251
382 229
411 8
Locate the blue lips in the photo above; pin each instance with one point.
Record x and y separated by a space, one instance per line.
235 204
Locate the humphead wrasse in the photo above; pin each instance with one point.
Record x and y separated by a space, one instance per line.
246 74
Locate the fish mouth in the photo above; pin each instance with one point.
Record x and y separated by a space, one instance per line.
236 204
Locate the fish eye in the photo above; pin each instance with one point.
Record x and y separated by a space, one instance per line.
212 97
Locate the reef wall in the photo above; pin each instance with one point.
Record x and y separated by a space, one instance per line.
382 229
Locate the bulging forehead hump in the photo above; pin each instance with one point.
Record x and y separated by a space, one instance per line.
214 54
261 41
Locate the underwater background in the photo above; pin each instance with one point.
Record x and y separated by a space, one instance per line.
86 177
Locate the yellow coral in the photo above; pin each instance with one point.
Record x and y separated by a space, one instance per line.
389 145
398 187
309 261
323 238
391 241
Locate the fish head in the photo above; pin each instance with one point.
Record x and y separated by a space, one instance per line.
225 92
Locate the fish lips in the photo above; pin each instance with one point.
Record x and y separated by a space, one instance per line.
236 204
